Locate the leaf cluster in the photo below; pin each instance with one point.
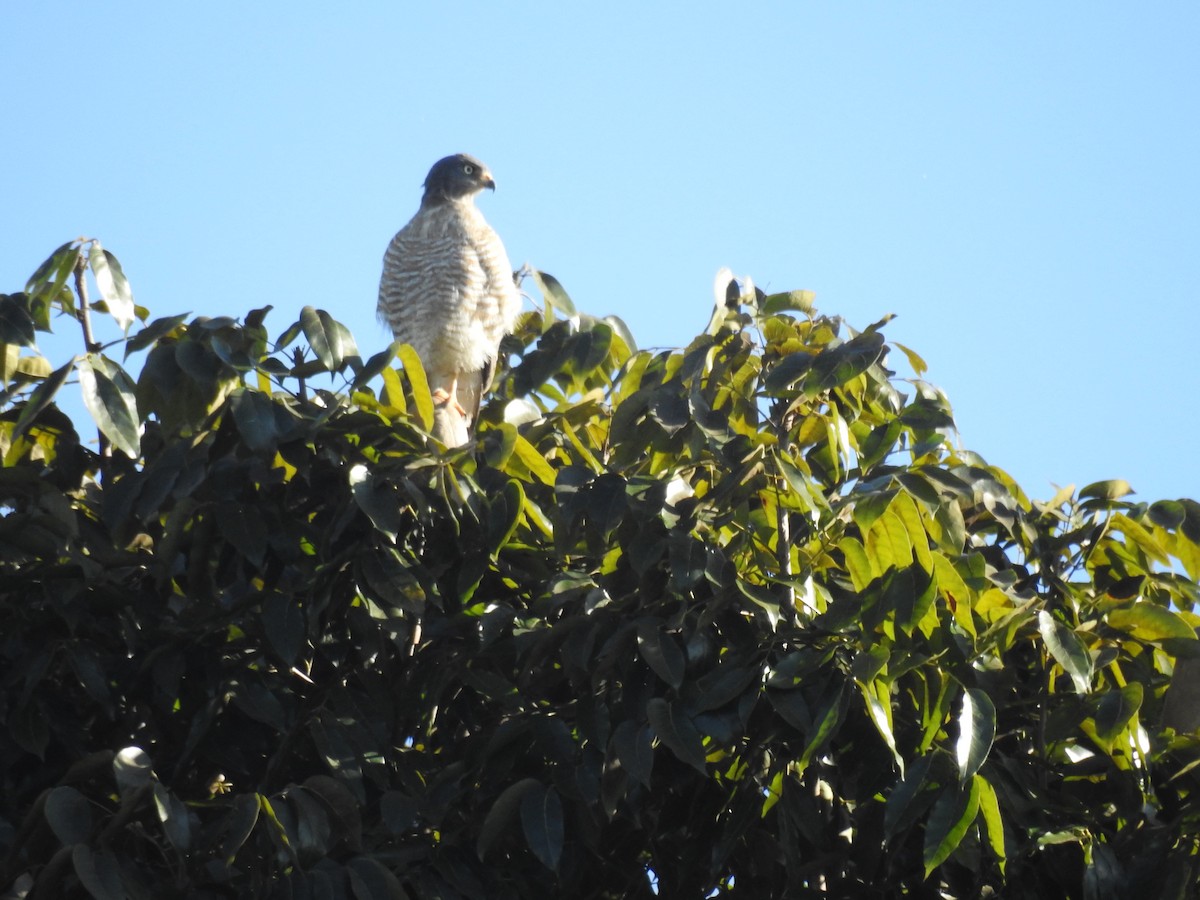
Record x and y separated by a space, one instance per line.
738 616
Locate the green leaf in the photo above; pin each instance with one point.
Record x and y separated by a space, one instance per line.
375 365
69 815
542 821
41 398
989 810
254 415
157 329
415 370
381 504
49 284
976 731
555 294
326 337
1068 650
875 694
633 746
32 366
108 394
915 362
16 323
1149 622
788 371
503 814
372 880
1113 489
676 730
99 872
1116 708
952 815
900 811
284 623
174 816
617 324
660 652
239 824
798 301
113 285
1169 514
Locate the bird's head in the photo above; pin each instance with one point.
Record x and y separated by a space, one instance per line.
455 178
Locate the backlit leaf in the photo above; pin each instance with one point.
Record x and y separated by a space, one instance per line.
113 285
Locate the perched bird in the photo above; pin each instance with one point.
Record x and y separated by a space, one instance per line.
447 289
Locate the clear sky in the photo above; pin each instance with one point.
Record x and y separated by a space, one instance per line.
1019 183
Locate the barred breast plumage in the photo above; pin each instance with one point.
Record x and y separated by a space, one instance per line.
447 289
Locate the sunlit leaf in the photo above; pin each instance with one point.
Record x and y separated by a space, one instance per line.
108 394
1068 650
879 709
993 823
976 731
415 370
113 285
1149 622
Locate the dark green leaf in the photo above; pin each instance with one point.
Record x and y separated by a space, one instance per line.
660 652
953 813
555 294
1116 708
371 880
503 814
676 730
1168 514
99 872
69 815
254 415
788 371
157 329
632 744
16 323
284 623
41 398
326 337
542 821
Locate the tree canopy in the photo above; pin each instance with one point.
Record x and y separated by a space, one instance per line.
739 616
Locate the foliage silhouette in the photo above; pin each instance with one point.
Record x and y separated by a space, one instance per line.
737 616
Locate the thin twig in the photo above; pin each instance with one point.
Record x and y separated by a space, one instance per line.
85 317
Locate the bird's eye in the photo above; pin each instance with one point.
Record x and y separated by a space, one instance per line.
469 169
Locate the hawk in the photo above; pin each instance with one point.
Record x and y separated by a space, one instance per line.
447 289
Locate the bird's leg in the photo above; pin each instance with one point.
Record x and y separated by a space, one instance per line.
442 396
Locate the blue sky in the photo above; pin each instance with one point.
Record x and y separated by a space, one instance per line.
1019 183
